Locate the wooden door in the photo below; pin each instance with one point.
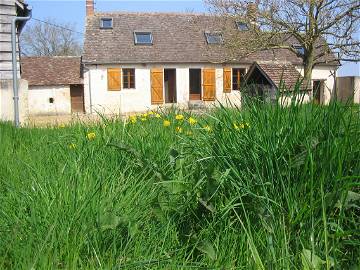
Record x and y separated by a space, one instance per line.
77 98
157 86
209 84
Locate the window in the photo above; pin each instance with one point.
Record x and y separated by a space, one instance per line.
214 38
128 78
238 75
106 23
242 26
143 38
300 49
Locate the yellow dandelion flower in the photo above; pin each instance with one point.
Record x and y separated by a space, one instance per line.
145 115
166 123
178 129
236 126
242 126
157 115
151 113
192 121
143 119
208 128
72 145
133 119
91 136
179 117
61 125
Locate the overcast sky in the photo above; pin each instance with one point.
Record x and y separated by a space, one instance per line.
74 11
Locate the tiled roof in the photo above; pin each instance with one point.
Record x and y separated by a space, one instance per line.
279 74
56 70
178 38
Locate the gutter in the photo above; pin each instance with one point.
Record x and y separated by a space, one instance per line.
14 63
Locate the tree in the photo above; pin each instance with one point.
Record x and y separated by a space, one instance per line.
320 28
50 38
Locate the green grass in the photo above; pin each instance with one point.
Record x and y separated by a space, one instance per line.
280 192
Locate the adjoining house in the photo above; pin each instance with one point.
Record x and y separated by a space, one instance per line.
267 80
9 9
55 85
139 61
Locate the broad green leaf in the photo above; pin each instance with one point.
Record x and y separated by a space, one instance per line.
207 248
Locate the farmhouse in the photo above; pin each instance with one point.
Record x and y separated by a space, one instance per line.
139 61
55 85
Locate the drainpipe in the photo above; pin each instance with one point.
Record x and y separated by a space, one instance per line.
14 65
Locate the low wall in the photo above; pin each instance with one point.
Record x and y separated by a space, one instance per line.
348 88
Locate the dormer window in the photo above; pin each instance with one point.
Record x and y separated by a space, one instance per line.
299 49
106 23
214 38
143 38
242 26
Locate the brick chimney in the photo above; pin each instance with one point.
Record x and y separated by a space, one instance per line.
89 7
252 9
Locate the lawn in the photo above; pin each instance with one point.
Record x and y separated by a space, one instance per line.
260 188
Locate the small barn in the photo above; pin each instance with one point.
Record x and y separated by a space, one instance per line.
265 80
55 85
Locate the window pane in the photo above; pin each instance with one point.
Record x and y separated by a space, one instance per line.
242 26
128 78
106 23
213 38
238 77
143 38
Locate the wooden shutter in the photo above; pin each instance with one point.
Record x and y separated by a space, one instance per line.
157 86
209 84
227 80
114 79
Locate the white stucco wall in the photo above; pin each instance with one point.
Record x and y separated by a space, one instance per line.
39 100
7 101
326 73
139 99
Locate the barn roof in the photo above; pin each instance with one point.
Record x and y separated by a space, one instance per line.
55 70
283 76
177 38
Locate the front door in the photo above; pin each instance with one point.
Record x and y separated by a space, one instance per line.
77 98
170 85
317 91
195 84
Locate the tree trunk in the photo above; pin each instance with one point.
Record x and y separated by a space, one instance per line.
308 66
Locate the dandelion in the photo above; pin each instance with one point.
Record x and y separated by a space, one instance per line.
166 123
61 125
192 121
91 136
72 146
208 128
179 117
143 119
241 126
133 119
145 115
236 126
178 129
151 113
157 115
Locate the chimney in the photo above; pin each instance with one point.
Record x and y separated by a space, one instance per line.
252 9
89 7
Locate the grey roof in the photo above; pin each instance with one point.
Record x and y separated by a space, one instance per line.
177 38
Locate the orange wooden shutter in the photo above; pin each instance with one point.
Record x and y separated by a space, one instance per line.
157 85
209 84
227 80
114 79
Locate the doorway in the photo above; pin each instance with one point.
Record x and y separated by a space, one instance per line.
318 89
170 85
195 84
77 98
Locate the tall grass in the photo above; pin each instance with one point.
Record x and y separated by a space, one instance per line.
263 188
